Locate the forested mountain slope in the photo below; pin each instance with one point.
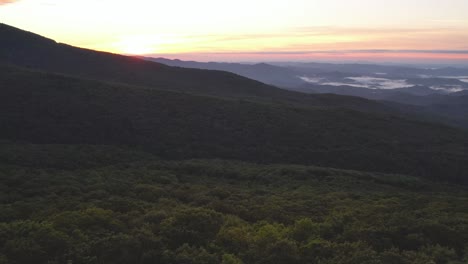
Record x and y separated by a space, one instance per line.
49 108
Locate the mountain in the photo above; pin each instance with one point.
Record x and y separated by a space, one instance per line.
465 92
367 68
378 82
266 73
33 51
184 113
418 101
29 50
55 109
401 95
422 94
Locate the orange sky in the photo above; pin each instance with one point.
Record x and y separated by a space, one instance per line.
417 30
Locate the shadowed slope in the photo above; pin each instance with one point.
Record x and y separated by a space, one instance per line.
48 108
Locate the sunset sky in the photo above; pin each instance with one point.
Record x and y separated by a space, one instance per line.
254 30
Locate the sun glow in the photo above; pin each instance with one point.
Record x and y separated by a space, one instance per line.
136 46
136 49
149 44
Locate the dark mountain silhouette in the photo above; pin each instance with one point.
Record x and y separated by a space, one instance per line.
33 51
365 69
465 92
373 94
48 108
266 73
416 101
29 50
288 77
435 82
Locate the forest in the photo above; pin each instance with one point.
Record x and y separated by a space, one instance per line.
103 204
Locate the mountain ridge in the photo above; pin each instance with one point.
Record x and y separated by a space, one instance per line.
48 108
28 50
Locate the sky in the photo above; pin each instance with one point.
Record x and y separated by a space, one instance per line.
254 30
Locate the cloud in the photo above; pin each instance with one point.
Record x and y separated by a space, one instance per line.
344 52
4 2
331 40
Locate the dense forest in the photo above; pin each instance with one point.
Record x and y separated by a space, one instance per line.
101 204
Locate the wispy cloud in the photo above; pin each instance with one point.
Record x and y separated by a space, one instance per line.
309 42
331 39
439 56
339 52
4 2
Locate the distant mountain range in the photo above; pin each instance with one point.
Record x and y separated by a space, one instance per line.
374 77
361 68
434 91
266 73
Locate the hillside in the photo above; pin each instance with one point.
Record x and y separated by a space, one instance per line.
100 204
30 50
266 73
417 101
48 108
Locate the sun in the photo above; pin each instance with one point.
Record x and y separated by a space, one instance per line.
136 46
148 44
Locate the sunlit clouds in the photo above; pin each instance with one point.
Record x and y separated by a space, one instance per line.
320 43
297 40
253 30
